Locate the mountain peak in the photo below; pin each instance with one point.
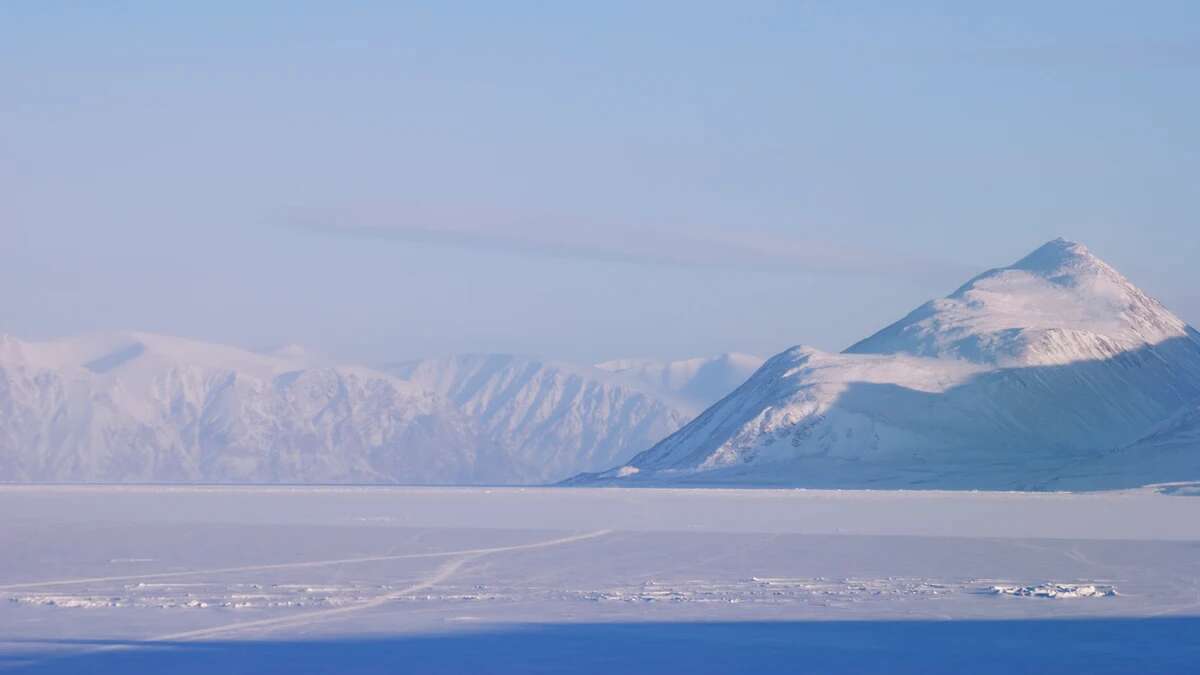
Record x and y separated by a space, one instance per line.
1058 257
1058 304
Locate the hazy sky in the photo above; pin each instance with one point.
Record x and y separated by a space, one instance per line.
578 180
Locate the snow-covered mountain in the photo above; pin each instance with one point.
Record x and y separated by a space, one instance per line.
694 384
1169 453
1050 368
1060 304
139 407
1181 431
551 418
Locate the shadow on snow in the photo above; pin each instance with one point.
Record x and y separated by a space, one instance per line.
1160 645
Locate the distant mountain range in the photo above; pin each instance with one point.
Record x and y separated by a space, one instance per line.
1055 371
142 407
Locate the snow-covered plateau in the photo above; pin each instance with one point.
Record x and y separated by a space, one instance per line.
361 579
1055 372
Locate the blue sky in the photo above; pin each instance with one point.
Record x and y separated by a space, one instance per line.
578 180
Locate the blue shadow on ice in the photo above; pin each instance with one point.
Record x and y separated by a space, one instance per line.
1165 645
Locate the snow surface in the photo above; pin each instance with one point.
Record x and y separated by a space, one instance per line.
241 579
1057 591
1053 372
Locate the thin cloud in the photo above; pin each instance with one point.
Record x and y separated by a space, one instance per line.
1146 54
679 247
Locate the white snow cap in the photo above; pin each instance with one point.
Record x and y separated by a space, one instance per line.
1059 304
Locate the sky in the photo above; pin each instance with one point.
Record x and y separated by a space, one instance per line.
583 181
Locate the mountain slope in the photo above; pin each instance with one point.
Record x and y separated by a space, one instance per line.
1024 375
553 419
694 384
138 407
1180 431
1169 453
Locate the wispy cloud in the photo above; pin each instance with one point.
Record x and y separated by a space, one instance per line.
1130 54
744 248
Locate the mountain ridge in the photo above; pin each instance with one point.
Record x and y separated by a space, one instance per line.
138 406
131 405
550 415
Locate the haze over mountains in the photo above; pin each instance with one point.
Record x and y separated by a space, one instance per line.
695 383
1053 372
143 407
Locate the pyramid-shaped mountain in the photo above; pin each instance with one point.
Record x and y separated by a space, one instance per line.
1053 371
